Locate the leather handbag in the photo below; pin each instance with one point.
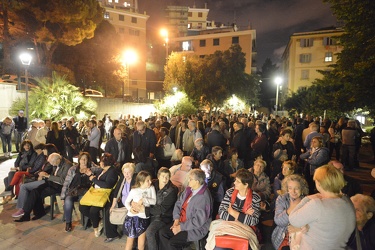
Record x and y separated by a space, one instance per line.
96 197
117 215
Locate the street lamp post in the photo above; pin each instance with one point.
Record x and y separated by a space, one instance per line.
128 57
26 61
164 34
278 81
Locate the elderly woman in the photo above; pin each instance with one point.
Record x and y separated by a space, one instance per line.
240 205
288 168
261 183
76 184
294 188
329 215
162 211
106 177
191 214
315 157
364 212
121 192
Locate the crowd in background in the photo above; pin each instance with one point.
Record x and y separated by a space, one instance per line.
174 175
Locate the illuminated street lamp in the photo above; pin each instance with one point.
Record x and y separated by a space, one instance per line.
128 57
278 81
26 61
164 34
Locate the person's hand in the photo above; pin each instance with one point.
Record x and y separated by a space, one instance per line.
175 223
43 174
62 202
88 172
250 211
176 229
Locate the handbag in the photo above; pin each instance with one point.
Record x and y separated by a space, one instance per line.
96 197
169 152
118 214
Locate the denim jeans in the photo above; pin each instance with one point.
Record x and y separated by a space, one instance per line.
6 141
69 206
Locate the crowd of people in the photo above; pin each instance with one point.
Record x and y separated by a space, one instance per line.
183 179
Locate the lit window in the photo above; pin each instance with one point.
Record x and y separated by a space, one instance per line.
307 42
106 15
185 46
202 43
216 42
109 1
328 57
304 74
305 58
116 1
189 25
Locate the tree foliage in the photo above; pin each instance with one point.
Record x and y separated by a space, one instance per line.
354 73
56 98
59 22
176 104
212 79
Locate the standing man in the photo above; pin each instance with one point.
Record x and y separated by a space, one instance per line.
20 123
144 138
44 127
93 135
71 139
119 147
189 137
6 129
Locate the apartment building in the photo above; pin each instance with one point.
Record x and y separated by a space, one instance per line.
130 26
308 52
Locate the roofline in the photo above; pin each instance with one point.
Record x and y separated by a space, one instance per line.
214 35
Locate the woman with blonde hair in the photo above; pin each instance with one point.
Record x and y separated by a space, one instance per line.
329 215
294 188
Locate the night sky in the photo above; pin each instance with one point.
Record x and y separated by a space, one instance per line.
273 20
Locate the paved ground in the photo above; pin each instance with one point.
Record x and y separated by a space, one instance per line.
47 234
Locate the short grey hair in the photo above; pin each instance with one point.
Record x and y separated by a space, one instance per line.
198 175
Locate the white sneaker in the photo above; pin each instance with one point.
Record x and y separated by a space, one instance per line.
6 155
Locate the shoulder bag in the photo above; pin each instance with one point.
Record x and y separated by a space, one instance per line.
117 214
96 197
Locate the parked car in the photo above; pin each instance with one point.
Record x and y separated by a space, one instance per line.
92 93
14 79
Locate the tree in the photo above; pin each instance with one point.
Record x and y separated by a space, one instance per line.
355 68
60 22
56 98
267 86
176 104
212 79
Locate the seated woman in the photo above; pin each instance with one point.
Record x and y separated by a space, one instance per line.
25 160
106 177
239 211
289 168
191 214
294 188
141 195
365 209
231 165
261 184
315 157
17 179
329 215
76 184
121 192
162 212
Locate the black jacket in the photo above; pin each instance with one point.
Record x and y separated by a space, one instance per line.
165 200
112 148
215 138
